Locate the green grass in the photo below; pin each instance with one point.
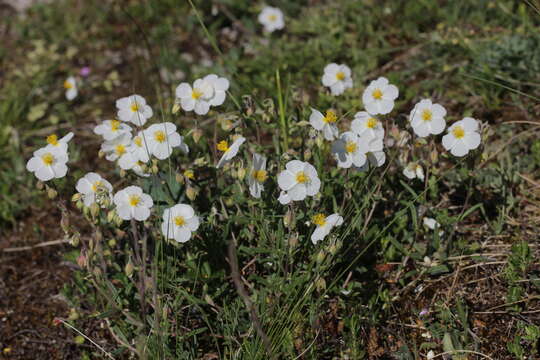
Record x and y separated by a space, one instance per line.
357 293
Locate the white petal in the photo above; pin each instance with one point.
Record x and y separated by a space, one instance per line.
286 180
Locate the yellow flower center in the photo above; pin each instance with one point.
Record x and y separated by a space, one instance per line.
319 219
96 185
377 94
68 85
134 200
189 174
195 94
138 141
259 175
120 149
340 75
272 17
135 106
159 136
302 177
179 221
427 115
48 159
351 147
52 139
115 125
371 123
458 132
330 117
223 146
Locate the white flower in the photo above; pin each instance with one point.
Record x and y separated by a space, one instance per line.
430 355
413 171
374 159
462 137
197 98
298 180
71 88
179 222
137 152
133 109
229 152
257 176
132 203
350 150
337 78
60 144
431 223
162 138
93 188
366 125
48 163
379 96
324 225
271 18
427 118
284 198
220 86
110 129
117 147
325 123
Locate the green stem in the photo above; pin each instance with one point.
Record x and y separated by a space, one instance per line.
281 109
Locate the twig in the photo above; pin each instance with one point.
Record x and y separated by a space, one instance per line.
235 274
87 338
120 341
43 244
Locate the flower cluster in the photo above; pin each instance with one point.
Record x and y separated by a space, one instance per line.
134 152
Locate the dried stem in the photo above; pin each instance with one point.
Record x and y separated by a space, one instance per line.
235 274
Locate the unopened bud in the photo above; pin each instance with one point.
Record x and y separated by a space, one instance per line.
191 193
320 257
196 135
110 216
94 209
293 240
40 185
112 242
320 284
51 193
175 108
241 173
75 239
76 197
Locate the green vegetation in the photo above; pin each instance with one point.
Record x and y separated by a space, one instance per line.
382 283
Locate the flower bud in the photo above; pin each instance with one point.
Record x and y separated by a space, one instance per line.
241 173
175 108
75 239
110 216
196 135
51 193
293 240
40 185
94 209
112 242
73 315
76 197
321 256
128 269
191 193
320 284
